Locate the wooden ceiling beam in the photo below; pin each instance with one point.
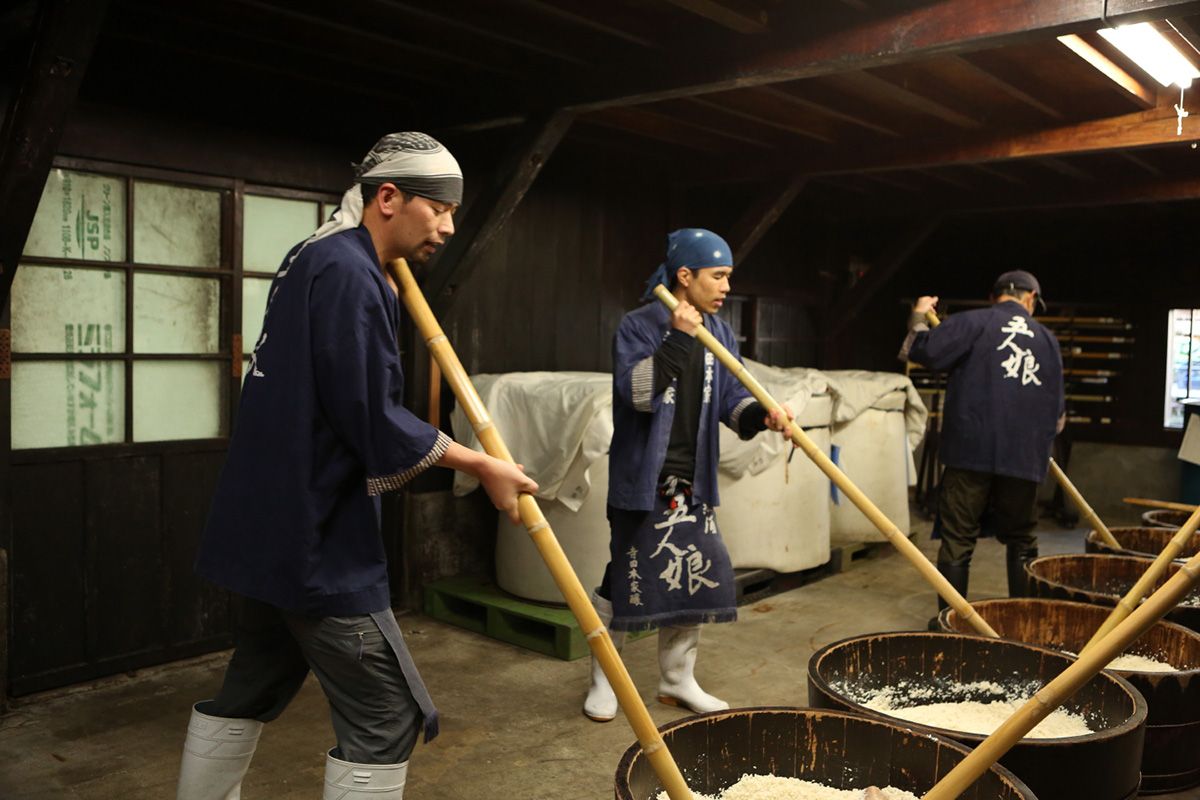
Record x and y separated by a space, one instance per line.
737 16
495 204
65 36
1142 93
912 92
762 214
667 128
897 255
937 27
1006 79
803 96
808 131
520 36
591 20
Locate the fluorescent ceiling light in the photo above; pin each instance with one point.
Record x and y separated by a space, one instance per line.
1151 51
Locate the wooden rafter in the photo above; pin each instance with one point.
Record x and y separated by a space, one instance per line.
1141 92
65 36
807 97
939 27
766 210
911 92
736 15
493 207
1006 79
821 133
887 265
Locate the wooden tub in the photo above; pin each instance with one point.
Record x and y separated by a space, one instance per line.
839 749
1103 765
1103 580
1171 758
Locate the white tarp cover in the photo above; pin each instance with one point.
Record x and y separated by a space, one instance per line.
856 390
558 423
794 387
554 423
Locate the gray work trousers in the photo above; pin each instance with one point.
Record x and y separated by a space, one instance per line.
375 718
965 497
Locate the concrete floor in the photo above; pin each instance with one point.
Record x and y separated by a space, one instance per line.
511 723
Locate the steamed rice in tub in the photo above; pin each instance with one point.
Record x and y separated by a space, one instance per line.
772 787
978 707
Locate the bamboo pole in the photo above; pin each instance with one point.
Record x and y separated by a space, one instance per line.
543 537
1128 604
1053 694
1163 504
839 478
1076 497
1084 508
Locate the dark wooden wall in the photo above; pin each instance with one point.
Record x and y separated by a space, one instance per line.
1139 259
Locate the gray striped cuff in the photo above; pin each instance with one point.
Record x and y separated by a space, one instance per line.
642 384
391 482
738 409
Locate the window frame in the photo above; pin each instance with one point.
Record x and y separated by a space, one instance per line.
1168 382
228 273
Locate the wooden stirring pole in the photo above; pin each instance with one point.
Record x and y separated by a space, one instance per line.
543 537
1055 693
1164 504
1076 497
1145 584
839 478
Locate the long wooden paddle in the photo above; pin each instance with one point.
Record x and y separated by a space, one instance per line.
1059 690
1164 504
1127 604
839 478
543 537
1085 509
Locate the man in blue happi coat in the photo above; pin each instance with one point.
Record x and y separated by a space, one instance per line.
1004 406
294 529
668 566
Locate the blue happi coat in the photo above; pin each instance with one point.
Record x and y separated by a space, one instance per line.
1004 392
320 433
642 419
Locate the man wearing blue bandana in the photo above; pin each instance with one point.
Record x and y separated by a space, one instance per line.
668 566
294 527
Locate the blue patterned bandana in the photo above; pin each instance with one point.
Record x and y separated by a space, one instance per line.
695 248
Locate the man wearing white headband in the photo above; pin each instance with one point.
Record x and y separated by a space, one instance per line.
294 528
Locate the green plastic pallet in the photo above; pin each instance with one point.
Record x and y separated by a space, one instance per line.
477 604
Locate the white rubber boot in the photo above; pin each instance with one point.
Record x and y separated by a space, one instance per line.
601 703
216 755
346 781
677 663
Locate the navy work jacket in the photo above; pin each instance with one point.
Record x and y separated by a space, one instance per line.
642 419
1004 393
320 433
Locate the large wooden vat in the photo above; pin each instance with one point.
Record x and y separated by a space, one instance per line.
1103 580
1103 765
1171 757
1140 542
839 749
1165 518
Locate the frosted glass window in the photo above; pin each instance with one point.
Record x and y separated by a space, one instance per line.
176 225
67 310
178 400
327 210
67 403
271 226
175 314
80 215
254 306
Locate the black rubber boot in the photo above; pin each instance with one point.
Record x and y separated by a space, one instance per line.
1018 557
958 575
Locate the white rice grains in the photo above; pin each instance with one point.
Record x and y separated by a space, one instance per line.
772 787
